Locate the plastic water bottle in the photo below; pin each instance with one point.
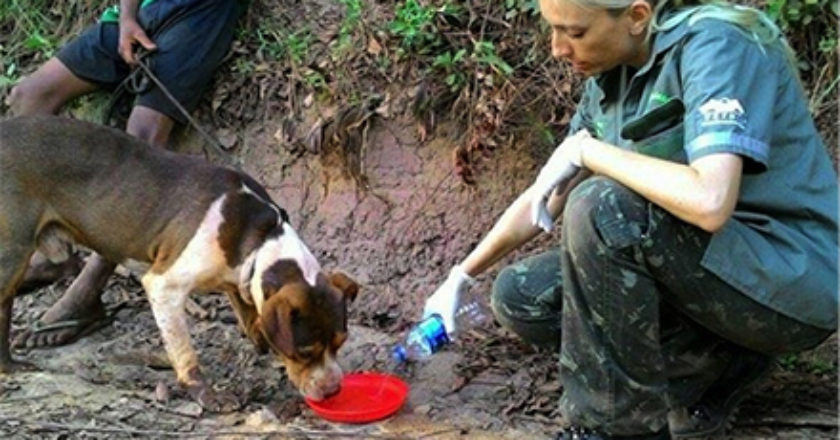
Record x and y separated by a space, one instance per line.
430 335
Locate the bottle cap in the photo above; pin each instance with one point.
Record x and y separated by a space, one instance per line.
399 354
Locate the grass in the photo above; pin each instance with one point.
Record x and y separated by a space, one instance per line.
28 36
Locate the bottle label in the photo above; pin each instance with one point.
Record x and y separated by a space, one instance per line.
434 331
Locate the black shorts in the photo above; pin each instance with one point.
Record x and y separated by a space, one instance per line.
192 37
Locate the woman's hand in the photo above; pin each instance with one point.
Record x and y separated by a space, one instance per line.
561 166
447 298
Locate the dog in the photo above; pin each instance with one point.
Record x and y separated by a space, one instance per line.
195 226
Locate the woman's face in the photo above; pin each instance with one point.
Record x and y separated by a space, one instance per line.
593 40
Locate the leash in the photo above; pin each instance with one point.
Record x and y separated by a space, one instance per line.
138 82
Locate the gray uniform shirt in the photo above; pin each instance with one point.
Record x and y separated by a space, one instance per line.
708 88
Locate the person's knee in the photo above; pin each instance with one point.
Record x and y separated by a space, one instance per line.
29 97
150 126
149 133
602 210
504 288
532 322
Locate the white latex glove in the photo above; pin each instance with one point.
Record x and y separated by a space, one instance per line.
446 299
562 165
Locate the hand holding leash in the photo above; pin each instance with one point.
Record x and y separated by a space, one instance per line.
562 165
446 299
131 34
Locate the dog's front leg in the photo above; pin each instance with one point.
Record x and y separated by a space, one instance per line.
167 299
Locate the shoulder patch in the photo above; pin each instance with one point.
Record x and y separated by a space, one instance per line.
722 112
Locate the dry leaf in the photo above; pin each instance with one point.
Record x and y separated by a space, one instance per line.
421 131
384 109
315 137
374 48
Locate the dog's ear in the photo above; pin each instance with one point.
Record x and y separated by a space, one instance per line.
276 323
345 284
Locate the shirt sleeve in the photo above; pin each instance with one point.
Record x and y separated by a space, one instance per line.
729 87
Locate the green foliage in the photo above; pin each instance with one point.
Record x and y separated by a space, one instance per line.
808 362
351 21
414 24
314 79
818 366
9 77
788 362
815 17
811 28
791 14
451 66
270 42
298 43
31 25
273 44
484 52
27 35
455 66
514 8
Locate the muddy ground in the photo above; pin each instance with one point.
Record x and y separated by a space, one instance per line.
398 238
116 384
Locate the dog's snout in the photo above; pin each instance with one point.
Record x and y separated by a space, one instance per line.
323 382
332 389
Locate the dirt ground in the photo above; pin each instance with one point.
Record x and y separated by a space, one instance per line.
397 238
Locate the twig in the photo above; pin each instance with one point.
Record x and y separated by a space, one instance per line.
25 398
786 423
816 104
536 419
294 432
437 433
163 408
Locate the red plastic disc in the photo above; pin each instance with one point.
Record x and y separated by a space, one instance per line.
364 397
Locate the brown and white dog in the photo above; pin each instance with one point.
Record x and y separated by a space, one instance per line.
196 226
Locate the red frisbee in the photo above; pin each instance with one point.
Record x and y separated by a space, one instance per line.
364 397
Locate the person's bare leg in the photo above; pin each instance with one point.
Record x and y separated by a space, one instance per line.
81 306
150 125
42 272
47 90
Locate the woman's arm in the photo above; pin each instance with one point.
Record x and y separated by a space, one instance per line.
702 194
514 228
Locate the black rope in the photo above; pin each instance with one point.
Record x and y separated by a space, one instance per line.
140 80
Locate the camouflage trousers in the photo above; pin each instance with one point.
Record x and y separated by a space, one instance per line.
640 325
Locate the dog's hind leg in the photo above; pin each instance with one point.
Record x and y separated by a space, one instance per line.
18 229
13 262
14 258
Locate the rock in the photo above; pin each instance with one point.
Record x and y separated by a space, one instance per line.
161 392
260 418
190 409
